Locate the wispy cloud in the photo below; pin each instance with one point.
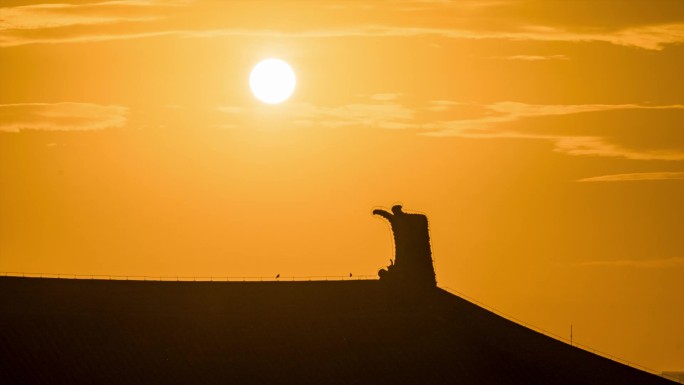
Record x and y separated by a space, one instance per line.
504 112
652 37
44 16
488 126
635 177
13 41
385 96
375 113
533 57
634 263
442 105
74 23
60 116
383 115
600 146
488 121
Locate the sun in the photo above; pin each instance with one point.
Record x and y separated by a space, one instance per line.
272 81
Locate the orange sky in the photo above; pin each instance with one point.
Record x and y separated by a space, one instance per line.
544 140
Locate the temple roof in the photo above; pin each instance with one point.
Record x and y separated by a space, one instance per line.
354 332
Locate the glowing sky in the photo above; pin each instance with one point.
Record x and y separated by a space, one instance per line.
544 140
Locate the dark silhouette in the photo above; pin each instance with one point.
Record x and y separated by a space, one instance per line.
70 331
412 264
64 331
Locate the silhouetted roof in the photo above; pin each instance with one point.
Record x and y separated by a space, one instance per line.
356 332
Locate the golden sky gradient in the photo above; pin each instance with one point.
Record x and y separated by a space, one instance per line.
544 140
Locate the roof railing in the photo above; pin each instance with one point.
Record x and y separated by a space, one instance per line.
190 278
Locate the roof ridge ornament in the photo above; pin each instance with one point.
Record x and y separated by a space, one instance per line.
412 264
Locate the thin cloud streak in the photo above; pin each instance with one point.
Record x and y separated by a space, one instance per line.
641 176
390 114
599 146
382 114
661 263
653 37
506 112
442 105
385 96
533 58
47 16
14 42
60 116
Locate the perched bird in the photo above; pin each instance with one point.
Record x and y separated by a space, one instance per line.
278 276
349 275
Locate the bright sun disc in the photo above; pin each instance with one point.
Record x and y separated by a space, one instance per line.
272 81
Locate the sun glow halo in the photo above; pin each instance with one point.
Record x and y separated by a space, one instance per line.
272 81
